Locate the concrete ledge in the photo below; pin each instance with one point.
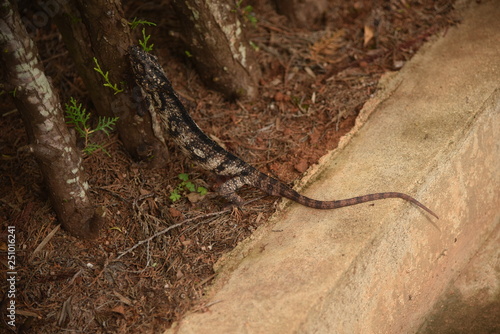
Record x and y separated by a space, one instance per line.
434 132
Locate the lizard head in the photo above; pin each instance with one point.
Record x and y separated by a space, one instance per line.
147 69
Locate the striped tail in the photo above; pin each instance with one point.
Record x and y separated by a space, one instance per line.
277 188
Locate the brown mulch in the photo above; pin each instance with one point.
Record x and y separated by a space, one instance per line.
314 83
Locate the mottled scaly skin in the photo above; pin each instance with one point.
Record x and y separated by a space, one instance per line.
171 116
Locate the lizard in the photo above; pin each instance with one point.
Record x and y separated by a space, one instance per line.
158 96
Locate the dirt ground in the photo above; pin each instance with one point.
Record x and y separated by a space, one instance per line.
155 257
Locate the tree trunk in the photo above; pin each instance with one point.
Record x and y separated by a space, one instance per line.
48 135
105 34
302 13
215 39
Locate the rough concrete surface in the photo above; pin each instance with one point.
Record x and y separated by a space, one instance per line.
471 303
432 132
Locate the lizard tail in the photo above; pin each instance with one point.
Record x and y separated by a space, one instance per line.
276 188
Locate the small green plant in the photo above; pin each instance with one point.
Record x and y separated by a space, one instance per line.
185 184
254 46
74 19
106 78
247 12
144 42
3 91
13 92
136 22
298 102
79 118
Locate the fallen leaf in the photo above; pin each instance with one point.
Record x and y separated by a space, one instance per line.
301 166
120 309
174 212
369 33
194 197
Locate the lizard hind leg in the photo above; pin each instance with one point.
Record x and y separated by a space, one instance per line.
228 190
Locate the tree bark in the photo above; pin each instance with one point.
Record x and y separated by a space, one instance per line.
104 33
49 138
219 50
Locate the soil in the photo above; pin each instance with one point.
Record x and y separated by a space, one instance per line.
155 257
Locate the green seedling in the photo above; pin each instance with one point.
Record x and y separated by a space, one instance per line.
184 185
106 78
254 46
247 12
144 42
136 22
79 118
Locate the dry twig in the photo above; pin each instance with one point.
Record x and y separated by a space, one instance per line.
171 227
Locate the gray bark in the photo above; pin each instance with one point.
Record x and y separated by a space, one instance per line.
220 52
49 138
